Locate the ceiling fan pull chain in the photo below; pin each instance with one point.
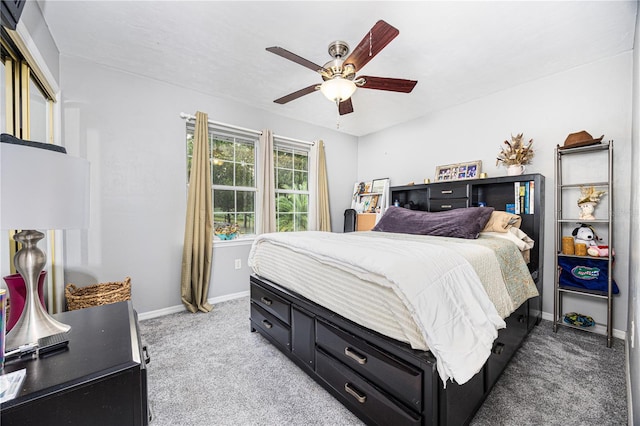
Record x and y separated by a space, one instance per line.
370 42
338 116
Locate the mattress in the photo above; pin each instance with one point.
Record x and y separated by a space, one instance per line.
371 298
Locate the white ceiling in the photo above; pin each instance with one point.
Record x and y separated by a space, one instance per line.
458 51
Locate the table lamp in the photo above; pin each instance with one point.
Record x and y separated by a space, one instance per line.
41 187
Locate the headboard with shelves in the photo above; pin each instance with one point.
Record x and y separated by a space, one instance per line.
492 192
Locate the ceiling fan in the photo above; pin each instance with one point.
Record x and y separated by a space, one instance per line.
339 74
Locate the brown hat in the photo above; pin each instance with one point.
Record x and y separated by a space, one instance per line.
581 138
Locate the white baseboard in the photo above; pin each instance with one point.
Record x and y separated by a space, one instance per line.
599 329
179 308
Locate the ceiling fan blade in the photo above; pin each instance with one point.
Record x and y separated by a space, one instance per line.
297 94
390 84
295 58
345 107
376 39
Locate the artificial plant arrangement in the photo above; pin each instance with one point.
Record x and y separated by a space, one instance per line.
227 231
516 152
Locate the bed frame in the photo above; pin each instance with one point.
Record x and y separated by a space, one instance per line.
381 380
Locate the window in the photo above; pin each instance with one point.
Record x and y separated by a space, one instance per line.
292 188
233 178
29 99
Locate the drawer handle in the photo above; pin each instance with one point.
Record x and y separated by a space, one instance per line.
359 396
447 191
445 206
267 324
355 355
266 301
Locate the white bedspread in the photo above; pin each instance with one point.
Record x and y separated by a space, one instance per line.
440 289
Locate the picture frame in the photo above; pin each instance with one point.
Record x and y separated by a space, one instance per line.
378 185
370 203
459 171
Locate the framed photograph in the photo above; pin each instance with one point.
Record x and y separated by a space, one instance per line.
470 170
377 185
444 173
459 171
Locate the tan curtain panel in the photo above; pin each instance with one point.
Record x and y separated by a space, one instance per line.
266 194
323 215
197 253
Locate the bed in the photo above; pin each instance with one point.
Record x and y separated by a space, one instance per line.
401 327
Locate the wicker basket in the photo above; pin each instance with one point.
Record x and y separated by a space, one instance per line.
97 294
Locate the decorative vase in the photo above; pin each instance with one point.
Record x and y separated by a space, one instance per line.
515 169
18 293
227 236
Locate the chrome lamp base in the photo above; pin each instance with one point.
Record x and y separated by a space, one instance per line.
34 322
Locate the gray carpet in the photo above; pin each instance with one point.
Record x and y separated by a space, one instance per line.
209 369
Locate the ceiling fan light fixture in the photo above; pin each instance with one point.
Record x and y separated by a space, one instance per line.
338 89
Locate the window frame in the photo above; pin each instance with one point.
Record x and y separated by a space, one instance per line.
283 146
215 133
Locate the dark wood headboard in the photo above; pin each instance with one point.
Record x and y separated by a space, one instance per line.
492 192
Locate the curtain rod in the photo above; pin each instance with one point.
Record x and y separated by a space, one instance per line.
243 129
217 123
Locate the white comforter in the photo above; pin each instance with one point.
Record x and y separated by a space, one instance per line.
439 287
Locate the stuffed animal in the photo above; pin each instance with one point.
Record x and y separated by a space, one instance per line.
586 235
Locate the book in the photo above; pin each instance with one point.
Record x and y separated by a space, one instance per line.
516 201
531 197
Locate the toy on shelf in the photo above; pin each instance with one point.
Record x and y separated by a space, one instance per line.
589 199
585 234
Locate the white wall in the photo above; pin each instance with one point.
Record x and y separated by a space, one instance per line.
130 130
595 98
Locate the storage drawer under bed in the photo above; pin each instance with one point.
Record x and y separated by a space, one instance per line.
270 326
271 303
363 397
400 379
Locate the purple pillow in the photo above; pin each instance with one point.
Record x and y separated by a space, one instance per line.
458 223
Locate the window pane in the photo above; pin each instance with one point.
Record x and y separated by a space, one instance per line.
284 179
246 222
223 201
245 174
222 149
301 222
284 203
301 161
245 153
219 219
301 202
222 173
246 201
3 98
38 114
284 160
285 222
301 181
189 152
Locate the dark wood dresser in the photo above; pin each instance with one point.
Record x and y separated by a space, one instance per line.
100 379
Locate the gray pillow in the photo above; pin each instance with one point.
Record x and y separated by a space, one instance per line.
458 223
